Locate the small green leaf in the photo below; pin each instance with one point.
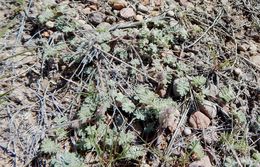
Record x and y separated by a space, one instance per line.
127 104
256 156
240 115
105 47
140 115
135 152
227 94
198 81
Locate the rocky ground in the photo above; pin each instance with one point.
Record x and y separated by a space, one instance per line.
129 83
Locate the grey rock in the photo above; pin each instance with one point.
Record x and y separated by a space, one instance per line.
96 18
142 8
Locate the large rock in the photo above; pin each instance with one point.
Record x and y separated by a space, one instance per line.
127 13
169 118
96 18
208 108
199 120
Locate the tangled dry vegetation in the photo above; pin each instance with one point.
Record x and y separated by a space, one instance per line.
129 83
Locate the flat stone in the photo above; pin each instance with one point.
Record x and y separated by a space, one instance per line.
127 13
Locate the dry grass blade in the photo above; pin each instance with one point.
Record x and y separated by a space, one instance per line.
207 30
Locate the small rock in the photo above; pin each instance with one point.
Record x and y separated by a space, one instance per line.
243 47
2 14
154 13
187 131
173 22
183 2
45 34
116 12
252 49
93 7
238 72
103 26
96 18
81 22
203 162
208 108
127 13
170 13
158 2
145 2
111 19
119 4
50 24
199 120
85 25
177 48
50 2
224 2
190 5
169 118
255 59
142 8
139 18
92 1
255 35
162 92
86 11
26 37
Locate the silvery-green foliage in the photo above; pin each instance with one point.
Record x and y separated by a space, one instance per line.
122 53
145 96
256 156
169 59
227 93
88 107
198 81
240 116
46 15
127 104
126 138
67 159
230 162
182 69
103 37
196 148
119 33
66 24
49 146
105 47
183 86
134 152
